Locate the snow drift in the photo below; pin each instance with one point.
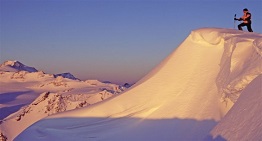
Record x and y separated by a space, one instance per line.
243 121
183 98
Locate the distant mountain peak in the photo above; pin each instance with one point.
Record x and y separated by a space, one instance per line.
12 63
15 66
66 75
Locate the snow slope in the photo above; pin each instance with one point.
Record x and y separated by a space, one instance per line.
243 121
183 98
46 93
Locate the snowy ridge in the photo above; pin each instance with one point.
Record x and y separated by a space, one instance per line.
183 98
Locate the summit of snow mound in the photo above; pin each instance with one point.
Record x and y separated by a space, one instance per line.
15 66
183 98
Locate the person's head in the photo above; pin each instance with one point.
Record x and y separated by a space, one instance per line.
245 10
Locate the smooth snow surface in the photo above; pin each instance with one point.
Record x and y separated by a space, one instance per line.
183 98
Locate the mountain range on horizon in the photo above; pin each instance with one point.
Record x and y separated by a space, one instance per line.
16 66
28 95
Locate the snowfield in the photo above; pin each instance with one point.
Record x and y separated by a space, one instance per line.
28 95
209 88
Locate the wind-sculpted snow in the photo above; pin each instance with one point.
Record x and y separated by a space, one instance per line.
258 46
207 35
241 62
188 93
243 121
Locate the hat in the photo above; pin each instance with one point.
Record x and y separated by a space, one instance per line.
245 9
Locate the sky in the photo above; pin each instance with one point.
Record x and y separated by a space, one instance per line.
109 40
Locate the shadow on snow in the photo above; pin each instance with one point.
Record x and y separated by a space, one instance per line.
9 97
119 129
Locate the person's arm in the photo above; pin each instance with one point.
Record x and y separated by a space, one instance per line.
247 16
240 19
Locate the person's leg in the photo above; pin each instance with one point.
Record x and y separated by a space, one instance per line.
240 26
249 28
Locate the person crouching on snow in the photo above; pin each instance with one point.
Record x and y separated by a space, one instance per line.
246 18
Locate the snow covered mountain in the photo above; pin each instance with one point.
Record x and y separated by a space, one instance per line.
28 96
67 75
183 98
15 66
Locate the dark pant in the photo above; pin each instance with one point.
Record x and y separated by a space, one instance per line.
245 24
